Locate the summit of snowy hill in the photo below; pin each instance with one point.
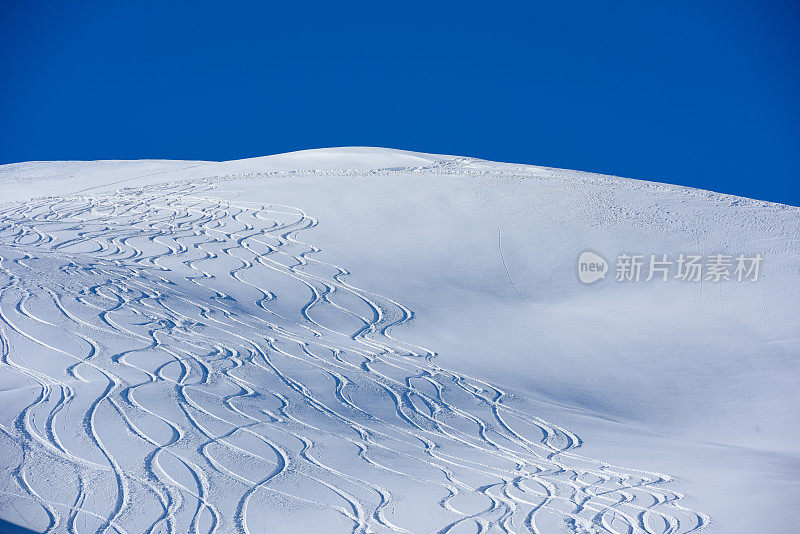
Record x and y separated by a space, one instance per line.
353 157
323 338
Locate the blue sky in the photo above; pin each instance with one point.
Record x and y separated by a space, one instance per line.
695 93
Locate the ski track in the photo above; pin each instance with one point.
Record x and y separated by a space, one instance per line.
175 387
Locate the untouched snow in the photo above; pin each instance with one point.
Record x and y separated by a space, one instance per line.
370 340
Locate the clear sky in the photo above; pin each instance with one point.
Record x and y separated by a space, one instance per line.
703 94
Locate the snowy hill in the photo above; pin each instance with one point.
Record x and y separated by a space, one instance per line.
372 340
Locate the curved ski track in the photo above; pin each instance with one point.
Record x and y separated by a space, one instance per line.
192 368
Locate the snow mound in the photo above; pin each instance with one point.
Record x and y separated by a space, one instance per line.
321 341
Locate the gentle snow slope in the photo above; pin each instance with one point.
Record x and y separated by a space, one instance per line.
375 340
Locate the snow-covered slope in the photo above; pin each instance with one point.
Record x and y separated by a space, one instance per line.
362 339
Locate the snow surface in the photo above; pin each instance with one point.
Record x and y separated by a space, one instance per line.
362 339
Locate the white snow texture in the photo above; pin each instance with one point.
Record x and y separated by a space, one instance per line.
373 340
